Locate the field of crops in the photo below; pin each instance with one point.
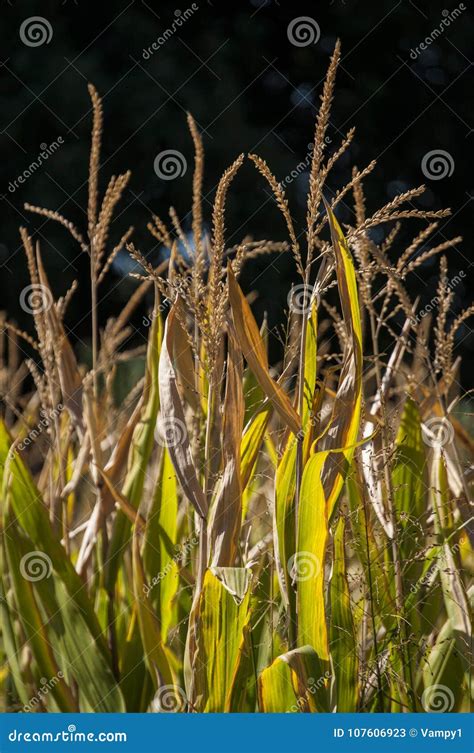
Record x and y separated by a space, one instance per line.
234 535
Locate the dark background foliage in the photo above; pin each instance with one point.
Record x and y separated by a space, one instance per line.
250 89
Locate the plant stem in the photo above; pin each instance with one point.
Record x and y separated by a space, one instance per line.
371 600
94 318
399 598
293 623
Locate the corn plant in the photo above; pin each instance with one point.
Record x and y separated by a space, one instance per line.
236 536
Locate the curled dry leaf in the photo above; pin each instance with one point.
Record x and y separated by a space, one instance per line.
226 515
172 410
255 354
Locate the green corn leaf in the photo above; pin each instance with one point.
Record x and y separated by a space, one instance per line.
254 396
295 682
32 516
241 697
284 521
442 672
343 638
98 689
345 418
308 561
156 655
368 549
266 643
409 485
251 444
11 647
443 669
136 682
454 594
310 366
140 451
79 657
32 619
223 613
160 553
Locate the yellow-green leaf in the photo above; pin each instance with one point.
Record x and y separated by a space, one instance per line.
295 682
255 354
223 613
31 514
345 419
160 553
156 655
307 564
32 620
409 487
343 639
284 519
